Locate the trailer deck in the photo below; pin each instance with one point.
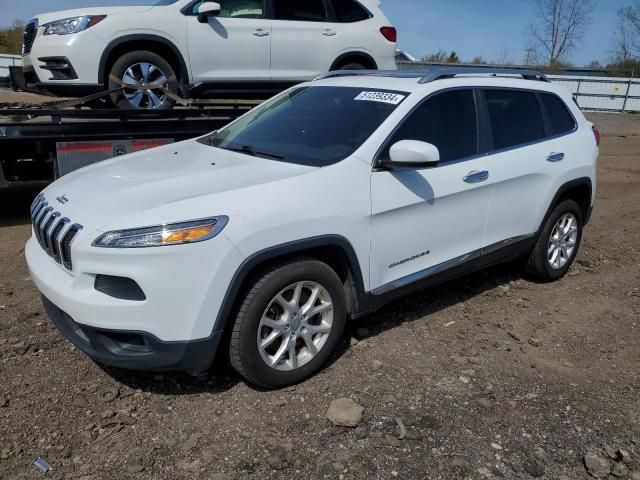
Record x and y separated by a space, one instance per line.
41 144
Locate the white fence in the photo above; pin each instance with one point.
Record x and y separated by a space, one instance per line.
603 94
600 94
7 61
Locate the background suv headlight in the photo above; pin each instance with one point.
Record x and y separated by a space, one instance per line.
71 25
163 235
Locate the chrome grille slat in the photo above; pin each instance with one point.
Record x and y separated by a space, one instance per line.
36 203
48 230
36 224
37 210
64 225
54 233
65 247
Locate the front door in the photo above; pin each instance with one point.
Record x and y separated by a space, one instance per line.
235 45
426 221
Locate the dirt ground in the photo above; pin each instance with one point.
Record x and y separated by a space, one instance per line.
491 376
9 98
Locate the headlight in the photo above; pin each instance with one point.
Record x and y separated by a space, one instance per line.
163 235
72 25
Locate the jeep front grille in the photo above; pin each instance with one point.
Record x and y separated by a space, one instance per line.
54 232
30 31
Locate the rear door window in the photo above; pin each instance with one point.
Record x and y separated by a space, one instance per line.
300 10
446 120
349 11
560 119
515 117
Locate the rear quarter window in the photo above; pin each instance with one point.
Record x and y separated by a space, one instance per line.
560 119
349 11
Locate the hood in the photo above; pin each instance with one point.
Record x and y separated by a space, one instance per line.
128 186
79 12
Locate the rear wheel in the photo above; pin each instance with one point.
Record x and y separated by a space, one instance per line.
143 70
558 244
353 66
289 323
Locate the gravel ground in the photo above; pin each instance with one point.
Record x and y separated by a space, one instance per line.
489 376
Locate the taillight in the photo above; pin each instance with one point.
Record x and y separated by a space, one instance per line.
390 33
596 133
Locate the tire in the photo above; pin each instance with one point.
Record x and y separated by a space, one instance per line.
353 66
548 261
259 305
131 62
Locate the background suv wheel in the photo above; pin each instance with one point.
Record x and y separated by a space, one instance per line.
558 244
289 323
143 69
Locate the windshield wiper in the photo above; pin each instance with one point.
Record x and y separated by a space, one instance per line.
248 150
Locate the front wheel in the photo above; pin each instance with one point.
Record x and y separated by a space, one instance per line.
142 71
558 243
289 323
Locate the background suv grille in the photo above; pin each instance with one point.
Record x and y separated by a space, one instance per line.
29 36
54 232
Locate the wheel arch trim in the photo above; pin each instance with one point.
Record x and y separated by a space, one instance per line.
359 302
137 37
353 54
564 188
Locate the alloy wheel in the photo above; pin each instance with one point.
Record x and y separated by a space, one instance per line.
562 242
295 326
145 77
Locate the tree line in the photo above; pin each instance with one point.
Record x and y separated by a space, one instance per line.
558 30
11 39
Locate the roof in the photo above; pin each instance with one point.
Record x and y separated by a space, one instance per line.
441 78
432 75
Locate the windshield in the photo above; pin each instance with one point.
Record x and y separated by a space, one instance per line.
316 126
162 3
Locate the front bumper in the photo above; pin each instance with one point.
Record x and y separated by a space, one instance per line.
25 79
81 53
135 350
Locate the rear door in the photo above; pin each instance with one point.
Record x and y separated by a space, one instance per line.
235 45
427 221
305 41
527 160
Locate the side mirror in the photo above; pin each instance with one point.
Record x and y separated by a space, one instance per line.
413 154
208 9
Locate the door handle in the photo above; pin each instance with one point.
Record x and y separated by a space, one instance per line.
477 177
329 33
555 157
261 33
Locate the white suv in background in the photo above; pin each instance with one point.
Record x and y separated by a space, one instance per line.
201 48
324 203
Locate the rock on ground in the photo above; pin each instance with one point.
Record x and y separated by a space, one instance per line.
344 412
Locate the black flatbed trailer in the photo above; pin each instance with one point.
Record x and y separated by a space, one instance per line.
41 144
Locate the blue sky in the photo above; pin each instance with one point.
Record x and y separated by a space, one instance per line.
470 27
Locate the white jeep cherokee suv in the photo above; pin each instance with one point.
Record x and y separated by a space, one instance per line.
200 48
326 202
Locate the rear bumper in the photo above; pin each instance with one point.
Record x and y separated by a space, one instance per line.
135 350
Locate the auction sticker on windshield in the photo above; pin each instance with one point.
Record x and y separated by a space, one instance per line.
383 97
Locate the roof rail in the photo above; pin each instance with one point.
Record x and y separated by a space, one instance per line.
443 73
428 76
